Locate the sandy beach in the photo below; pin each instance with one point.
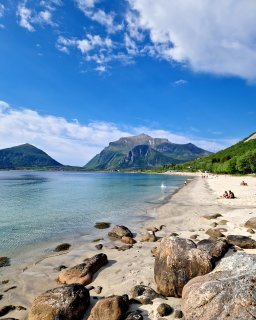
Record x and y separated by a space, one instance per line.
182 214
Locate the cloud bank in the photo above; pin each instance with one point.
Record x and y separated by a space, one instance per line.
71 142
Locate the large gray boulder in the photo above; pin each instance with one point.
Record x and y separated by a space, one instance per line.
83 272
68 302
216 248
177 261
227 293
110 308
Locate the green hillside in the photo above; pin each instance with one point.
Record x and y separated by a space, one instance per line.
141 152
239 158
25 156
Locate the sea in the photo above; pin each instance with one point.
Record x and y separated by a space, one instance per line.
44 207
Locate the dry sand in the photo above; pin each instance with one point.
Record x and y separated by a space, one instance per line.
182 214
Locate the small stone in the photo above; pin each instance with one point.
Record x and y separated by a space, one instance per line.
251 223
5 281
251 231
174 234
212 216
194 236
214 233
98 239
99 246
223 222
60 268
98 289
214 224
90 288
164 309
119 232
62 247
134 315
102 225
4 262
178 314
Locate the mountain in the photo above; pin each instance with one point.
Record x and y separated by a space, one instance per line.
143 151
239 158
25 156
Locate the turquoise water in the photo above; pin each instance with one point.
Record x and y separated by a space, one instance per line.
45 206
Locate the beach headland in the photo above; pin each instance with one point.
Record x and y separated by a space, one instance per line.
183 214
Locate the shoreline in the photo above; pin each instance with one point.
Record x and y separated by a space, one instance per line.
182 214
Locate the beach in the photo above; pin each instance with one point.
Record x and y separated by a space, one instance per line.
183 213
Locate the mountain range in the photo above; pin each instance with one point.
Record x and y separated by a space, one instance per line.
143 151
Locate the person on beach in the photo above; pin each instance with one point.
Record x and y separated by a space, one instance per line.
225 195
231 195
243 183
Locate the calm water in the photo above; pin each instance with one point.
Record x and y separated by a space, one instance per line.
44 206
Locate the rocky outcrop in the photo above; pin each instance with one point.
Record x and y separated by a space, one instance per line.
110 308
119 232
241 241
83 273
215 248
177 261
228 292
68 302
251 223
144 294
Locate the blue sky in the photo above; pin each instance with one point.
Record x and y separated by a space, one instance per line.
75 75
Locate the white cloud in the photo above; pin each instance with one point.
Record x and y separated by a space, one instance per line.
28 18
25 17
210 36
107 20
2 9
180 82
86 5
71 142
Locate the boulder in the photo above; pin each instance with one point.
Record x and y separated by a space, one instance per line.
4 262
83 273
164 309
177 261
241 241
214 233
144 294
68 302
62 247
110 308
251 223
178 314
215 248
128 240
228 292
102 225
119 232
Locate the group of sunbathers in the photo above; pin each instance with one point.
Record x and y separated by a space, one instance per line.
229 195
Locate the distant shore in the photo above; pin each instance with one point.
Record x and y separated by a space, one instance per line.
182 214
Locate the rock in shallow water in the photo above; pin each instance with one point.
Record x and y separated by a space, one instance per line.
68 302
4 262
62 247
227 293
83 273
177 261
